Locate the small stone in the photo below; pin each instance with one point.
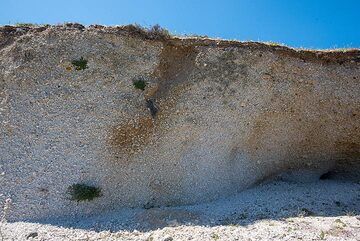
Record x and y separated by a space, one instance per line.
168 238
148 205
32 235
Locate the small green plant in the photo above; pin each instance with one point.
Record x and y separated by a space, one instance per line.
139 84
80 64
215 236
83 192
340 223
322 235
304 212
25 25
275 44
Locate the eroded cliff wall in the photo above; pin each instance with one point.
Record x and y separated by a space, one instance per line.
214 117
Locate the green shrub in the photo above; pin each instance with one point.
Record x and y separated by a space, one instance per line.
80 64
158 32
25 25
83 192
155 32
215 236
139 84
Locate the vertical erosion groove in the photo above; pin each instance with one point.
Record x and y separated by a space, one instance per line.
175 66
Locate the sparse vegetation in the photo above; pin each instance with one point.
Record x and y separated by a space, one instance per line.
83 192
155 32
25 25
195 36
139 84
80 64
340 223
74 25
322 235
215 236
350 213
270 43
304 212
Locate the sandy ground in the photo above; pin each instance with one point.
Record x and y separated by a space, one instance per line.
322 210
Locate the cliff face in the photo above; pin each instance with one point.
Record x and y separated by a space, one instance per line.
214 117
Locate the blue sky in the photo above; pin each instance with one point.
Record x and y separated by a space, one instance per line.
298 23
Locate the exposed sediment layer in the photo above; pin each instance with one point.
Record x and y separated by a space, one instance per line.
215 117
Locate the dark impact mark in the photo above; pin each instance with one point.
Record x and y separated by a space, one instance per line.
150 104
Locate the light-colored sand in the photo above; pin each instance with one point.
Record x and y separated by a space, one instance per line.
322 210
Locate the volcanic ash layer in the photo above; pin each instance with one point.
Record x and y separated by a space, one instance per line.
145 120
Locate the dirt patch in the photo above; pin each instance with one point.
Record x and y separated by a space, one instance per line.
131 136
176 64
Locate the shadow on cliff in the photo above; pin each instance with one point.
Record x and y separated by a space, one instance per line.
277 200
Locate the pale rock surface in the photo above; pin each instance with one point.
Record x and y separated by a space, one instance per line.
215 118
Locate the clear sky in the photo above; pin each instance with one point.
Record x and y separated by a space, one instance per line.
297 23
